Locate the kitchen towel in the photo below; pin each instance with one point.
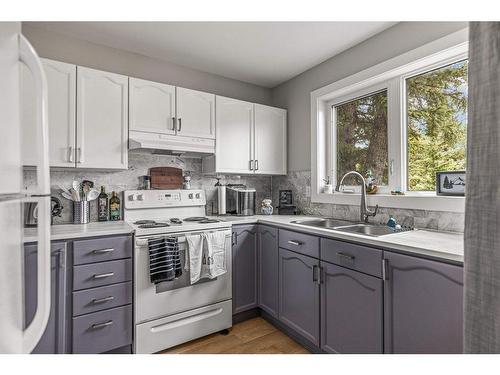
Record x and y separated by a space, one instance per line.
195 250
482 195
164 259
214 258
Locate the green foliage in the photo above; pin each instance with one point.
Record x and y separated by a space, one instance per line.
362 135
437 110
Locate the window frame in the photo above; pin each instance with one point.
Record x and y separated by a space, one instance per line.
390 75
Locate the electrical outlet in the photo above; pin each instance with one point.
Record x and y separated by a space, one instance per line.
308 191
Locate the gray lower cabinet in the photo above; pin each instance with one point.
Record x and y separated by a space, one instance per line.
54 338
351 311
244 268
299 298
268 269
423 306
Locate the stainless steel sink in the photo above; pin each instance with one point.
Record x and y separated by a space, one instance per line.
368 229
374 230
328 223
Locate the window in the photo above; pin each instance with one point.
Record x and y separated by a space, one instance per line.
436 124
400 121
361 128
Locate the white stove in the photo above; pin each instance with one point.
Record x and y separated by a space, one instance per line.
173 312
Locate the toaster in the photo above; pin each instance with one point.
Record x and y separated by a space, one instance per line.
240 200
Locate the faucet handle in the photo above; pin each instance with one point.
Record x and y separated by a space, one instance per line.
376 210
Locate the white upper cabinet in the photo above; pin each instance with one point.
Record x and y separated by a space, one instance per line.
233 145
152 107
61 82
195 113
102 119
270 140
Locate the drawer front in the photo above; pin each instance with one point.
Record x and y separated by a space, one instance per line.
100 274
102 249
160 334
300 243
102 331
102 298
356 257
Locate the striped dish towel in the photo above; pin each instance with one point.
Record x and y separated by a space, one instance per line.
164 259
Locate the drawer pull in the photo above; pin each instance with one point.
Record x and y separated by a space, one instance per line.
103 251
346 256
295 243
102 300
101 325
103 275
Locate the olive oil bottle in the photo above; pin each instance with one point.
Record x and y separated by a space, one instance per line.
102 206
114 207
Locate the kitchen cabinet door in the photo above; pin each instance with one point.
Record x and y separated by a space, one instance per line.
102 119
195 113
244 268
268 269
61 83
54 338
299 304
351 311
423 306
152 106
233 146
270 140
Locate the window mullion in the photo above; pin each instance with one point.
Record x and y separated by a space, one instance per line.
394 133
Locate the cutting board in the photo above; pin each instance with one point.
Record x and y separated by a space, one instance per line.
166 178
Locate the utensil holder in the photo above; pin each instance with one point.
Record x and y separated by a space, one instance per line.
81 212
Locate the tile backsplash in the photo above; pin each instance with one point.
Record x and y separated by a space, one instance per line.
297 182
139 164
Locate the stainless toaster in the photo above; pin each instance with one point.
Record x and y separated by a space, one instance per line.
240 200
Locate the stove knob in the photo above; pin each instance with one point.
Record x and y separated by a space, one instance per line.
132 197
190 196
140 197
197 195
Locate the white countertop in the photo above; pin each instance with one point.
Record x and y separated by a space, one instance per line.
69 231
446 246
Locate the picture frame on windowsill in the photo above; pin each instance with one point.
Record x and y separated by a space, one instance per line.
450 183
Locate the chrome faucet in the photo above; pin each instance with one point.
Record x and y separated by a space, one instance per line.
364 212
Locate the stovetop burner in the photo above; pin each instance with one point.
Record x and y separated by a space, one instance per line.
196 218
152 224
141 222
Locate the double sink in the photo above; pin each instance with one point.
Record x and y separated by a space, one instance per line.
374 230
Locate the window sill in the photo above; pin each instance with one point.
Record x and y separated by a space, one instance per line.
420 201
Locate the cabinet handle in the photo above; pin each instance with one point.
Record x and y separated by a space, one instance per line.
102 300
256 165
235 238
70 154
103 275
180 124
295 243
346 256
384 269
102 325
103 251
173 123
79 158
250 165
316 274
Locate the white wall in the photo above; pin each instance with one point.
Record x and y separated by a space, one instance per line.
64 48
295 93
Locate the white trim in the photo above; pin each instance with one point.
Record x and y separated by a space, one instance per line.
390 74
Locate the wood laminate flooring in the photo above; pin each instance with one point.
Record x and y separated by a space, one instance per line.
253 336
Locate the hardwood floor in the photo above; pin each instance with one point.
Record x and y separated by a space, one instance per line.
253 336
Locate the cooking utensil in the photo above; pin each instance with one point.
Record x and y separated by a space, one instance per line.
64 190
76 188
92 194
75 195
67 195
87 185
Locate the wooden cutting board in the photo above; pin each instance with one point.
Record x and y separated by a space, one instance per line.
166 178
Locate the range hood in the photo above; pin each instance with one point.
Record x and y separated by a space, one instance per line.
170 144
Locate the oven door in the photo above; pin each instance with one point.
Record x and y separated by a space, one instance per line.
172 297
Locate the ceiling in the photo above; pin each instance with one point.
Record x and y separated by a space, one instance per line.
262 53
